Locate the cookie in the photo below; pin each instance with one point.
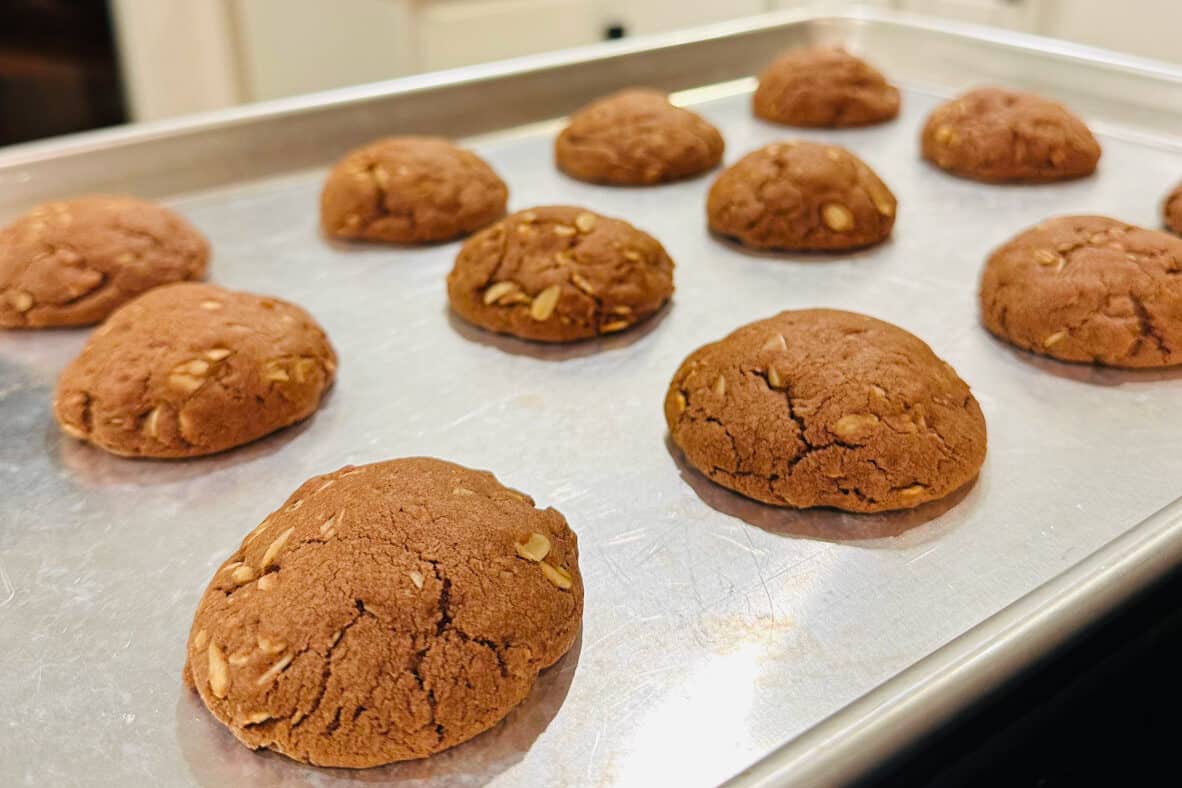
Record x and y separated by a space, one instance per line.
824 87
636 138
1172 210
826 408
1001 136
410 190
384 613
191 369
559 274
72 263
800 195
1090 289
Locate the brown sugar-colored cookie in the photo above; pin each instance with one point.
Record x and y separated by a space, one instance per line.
824 87
801 196
1000 136
559 274
1172 210
72 263
1090 289
385 612
410 190
191 369
826 408
636 138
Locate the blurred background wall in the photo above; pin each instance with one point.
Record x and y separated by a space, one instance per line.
67 65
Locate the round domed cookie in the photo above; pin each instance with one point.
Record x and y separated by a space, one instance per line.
559 274
1172 210
800 195
1089 289
385 612
73 262
191 369
636 138
824 87
410 190
820 407
1000 136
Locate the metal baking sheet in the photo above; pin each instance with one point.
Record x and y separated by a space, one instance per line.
721 637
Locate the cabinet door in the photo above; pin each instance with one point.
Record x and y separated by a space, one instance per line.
460 32
1014 14
1144 27
652 16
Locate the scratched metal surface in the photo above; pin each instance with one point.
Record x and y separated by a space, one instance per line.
715 629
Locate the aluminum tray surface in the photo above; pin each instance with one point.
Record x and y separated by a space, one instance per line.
715 629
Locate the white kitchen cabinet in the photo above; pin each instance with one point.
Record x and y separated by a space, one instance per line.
1151 28
835 6
652 16
1014 14
250 50
460 32
287 47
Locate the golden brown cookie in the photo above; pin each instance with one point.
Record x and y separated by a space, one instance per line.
824 87
636 138
1172 210
191 369
999 136
384 613
825 408
71 263
801 196
410 190
1090 289
559 274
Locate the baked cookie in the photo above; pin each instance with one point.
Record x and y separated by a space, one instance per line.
191 369
636 138
410 190
824 87
559 274
1088 288
1172 210
384 613
825 408
801 196
71 263
1000 136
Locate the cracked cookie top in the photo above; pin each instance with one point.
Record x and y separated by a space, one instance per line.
1090 289
1172 210
999 136
820 407
798 195
72 263
559 274
636 138
824 87
191 369
410 190
385 612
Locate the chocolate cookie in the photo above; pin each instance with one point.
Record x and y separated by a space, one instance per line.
999 136
825 408
824 87
71 263
410 190
191 369
559 274
801 196
636 138
384 613
1088 288
1172 210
